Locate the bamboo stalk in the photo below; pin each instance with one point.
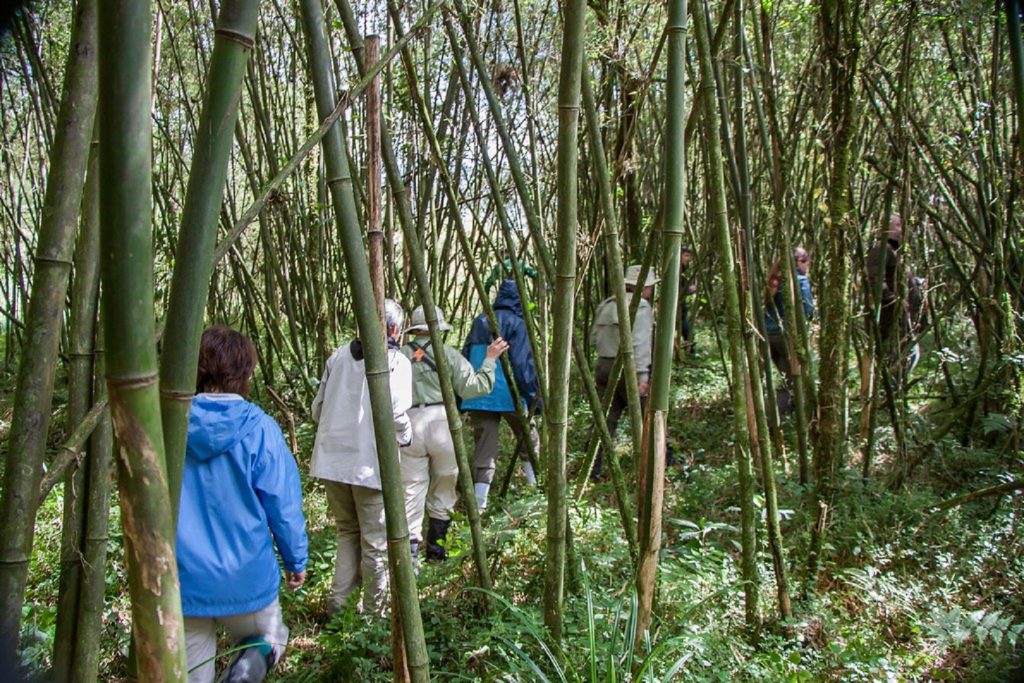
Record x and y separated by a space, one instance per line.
557 410
755 322
339 181
33 395
78 486
416 258
652 480
95 535
840 43
737 364
375 232
190 283
127 274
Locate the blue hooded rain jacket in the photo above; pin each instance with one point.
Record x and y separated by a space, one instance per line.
509 311
240 486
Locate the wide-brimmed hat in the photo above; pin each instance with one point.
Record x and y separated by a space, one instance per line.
418 323
633 273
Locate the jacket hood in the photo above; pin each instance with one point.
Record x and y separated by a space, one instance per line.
217 423
508 297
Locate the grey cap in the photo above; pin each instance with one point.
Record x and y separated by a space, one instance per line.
418 323
633 274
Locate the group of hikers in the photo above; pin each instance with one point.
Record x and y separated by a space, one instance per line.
241 479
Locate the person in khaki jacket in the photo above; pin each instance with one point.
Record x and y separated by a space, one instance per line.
604 336
345 458
431 457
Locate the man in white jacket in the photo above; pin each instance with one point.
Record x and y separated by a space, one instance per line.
345 458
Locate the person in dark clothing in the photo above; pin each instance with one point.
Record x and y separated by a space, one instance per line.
487 411
892 283
686 290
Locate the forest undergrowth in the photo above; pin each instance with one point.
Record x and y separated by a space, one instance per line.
907 593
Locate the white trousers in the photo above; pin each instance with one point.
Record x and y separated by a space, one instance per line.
429 469
201 637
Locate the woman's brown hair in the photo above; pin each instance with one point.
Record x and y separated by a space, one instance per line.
226 361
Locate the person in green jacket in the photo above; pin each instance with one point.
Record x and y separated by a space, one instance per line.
429 470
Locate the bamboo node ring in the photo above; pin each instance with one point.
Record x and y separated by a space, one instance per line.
242 39
56 261
132 381
175 395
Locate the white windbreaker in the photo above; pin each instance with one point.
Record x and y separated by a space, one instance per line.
345 449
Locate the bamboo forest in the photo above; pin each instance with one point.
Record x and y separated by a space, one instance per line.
522 340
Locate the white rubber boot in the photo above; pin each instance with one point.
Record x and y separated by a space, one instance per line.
481 495
531 477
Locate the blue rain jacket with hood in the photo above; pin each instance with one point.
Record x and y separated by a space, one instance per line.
240 486
509 311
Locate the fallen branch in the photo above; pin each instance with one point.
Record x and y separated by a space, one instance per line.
983 493
70 453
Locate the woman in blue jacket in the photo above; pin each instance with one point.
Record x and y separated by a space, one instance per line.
240 496
487 411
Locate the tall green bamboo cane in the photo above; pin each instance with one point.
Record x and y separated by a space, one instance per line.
84 309
613 258
127 274
772 140
190 284
755 321
652 479
34 391
522 187
95 534
418 263
339 180
573 39
737 364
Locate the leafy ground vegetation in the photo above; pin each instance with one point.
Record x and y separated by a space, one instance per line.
909 593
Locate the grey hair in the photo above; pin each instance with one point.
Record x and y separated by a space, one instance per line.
394 316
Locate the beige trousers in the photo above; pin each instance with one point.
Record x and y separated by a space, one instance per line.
362 557
201 637
429 469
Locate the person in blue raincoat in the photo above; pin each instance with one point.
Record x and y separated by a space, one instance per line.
487 411
240 497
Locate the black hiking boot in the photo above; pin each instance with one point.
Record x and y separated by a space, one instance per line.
436 534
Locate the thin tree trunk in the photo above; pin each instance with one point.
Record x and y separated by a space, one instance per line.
557 410
719 217
374 231
339 180
190 284
651 484
34 391
85 662
84 310
840 40
755 322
